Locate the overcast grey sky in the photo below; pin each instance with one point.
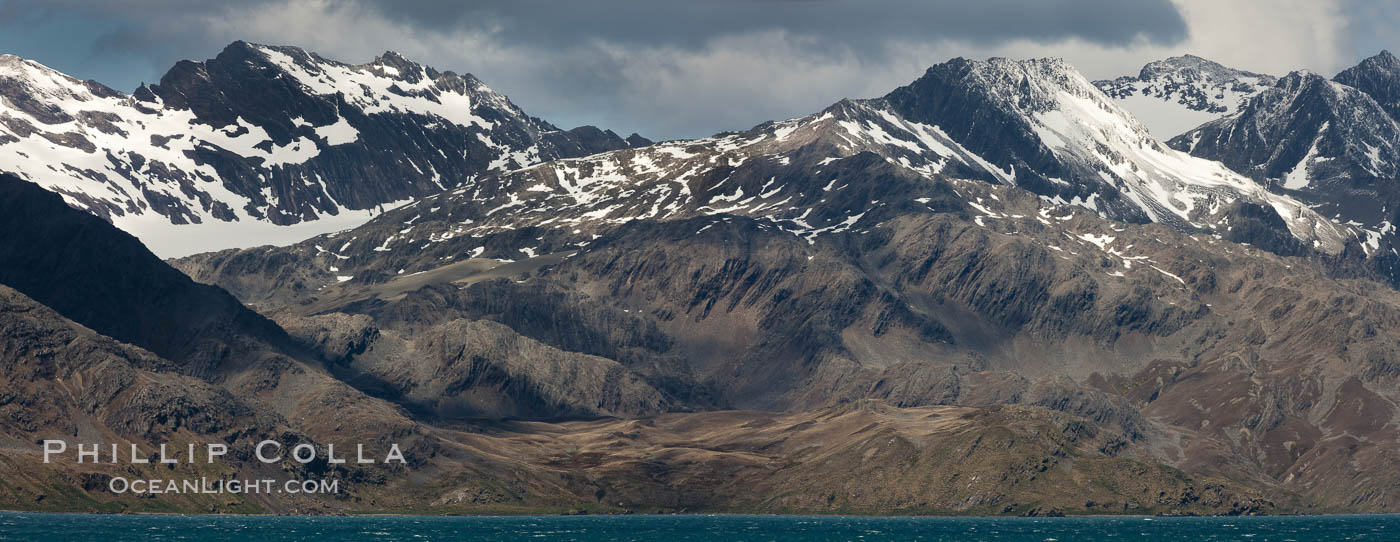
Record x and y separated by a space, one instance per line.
687 69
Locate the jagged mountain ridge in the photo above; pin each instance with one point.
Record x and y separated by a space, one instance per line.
1034 124
1173 95
263 135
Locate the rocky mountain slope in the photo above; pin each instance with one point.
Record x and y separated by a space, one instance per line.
66 381
63 381
1203 354
126 351
901 250
210 334
263 136
58 257
195 366
989 291
1034 124
1173 95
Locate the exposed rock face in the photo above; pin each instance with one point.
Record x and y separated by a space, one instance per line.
1173 95
41 347
262 134
104 279
1057 135
64 382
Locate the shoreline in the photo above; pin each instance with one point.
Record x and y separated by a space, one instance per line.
709 514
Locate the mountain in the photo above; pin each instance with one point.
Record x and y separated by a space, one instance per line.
995 235
102 341
1170 346
63 380
1379 77
1057 135
1305 131
210 334
1173 95
1034 124
989 291
262 137
1330 145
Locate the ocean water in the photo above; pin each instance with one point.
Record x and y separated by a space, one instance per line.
33 527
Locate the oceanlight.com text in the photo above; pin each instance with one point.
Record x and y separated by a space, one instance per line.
198 486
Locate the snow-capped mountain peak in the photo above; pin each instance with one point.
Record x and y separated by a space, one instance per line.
1379 77
1065 139
1189 67
263 137
1176 94
393 84
1303 131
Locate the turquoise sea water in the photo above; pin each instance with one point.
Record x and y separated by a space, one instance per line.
22 526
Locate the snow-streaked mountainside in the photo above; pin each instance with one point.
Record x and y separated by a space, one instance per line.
1058 135
1331 145
899 281
263 137
1304 131
1173 95
1036 124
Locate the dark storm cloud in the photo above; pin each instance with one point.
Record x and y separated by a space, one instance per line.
864 25
667 69
859 23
